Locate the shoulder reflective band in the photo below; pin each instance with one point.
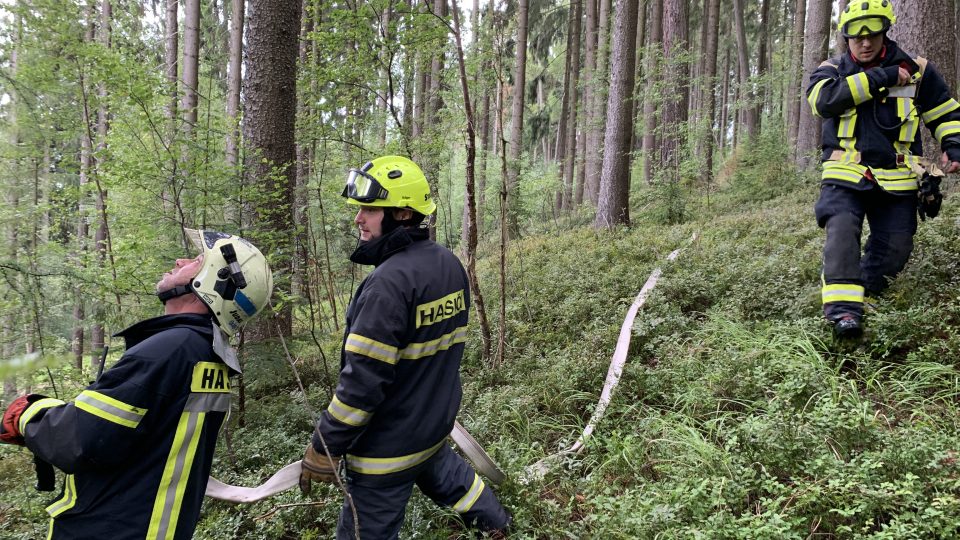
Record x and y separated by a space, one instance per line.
109 409
34 408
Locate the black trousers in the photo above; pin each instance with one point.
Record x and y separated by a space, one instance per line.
381 500
848 277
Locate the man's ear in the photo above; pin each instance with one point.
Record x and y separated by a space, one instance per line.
402 214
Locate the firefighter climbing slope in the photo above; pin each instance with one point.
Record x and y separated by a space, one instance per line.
138 444
872 101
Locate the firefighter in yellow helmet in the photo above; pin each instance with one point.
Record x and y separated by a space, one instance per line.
872 101
137 445
399 388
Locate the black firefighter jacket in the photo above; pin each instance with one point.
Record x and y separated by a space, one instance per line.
865 127
137 445
399 389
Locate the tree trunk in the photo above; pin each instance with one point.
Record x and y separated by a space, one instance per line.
594 123
650 139
709 88
97 332
763 40
516 122
613 206
268 131
815 41
672 144
840 47
191 65
794 76
471 249
233 95
589 72
913 34
570 106
747 110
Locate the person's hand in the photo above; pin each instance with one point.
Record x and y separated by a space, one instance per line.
10 425
903 77
315 467
948 165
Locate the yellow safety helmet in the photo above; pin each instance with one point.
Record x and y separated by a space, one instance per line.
866 18
391 182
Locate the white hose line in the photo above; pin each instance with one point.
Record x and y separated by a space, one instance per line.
540 468
289 476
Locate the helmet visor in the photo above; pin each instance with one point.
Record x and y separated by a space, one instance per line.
363 188
869 26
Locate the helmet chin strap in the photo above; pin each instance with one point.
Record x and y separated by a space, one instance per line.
168 294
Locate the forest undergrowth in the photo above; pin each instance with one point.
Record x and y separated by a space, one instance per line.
736 417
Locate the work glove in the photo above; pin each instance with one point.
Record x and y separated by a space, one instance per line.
10 425
929 197
316 467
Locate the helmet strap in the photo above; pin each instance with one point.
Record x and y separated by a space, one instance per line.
169 294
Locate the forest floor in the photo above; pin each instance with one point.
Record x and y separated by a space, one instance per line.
737 416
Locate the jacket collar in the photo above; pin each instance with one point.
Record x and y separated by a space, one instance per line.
380 249
142 330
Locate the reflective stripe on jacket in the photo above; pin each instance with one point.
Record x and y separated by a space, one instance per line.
871 136
137 445
399 389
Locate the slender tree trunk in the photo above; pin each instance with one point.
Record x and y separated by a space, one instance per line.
814 51
635 137
191 65
650 139
595 123
709 87
589 72
840 44
516 122
613 206
794 76
762 45
725 94
747 111
570 105
471 249
234 79
672 143
97 332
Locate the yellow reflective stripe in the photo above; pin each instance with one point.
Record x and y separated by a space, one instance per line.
845 127
370 347
947 128
67 501
907 112
441 309
946 107
850 172
859 87
415 351
369 465
842 292
110 409
814 95
466 502
50 530
347 414
176 475
34 408
210 377
899 185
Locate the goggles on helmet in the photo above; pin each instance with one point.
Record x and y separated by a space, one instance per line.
363 188
868 26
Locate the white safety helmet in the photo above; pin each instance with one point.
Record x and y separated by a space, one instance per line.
235 281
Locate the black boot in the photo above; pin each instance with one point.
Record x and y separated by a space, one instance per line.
847 327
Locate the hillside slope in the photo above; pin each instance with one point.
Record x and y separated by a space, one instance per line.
736 416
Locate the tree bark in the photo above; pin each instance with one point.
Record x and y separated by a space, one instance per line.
650 139
709 88
268 130
672 143
570 105
794 91
746 113
233 93
613 206
594 123
589 72
516 122
815 41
